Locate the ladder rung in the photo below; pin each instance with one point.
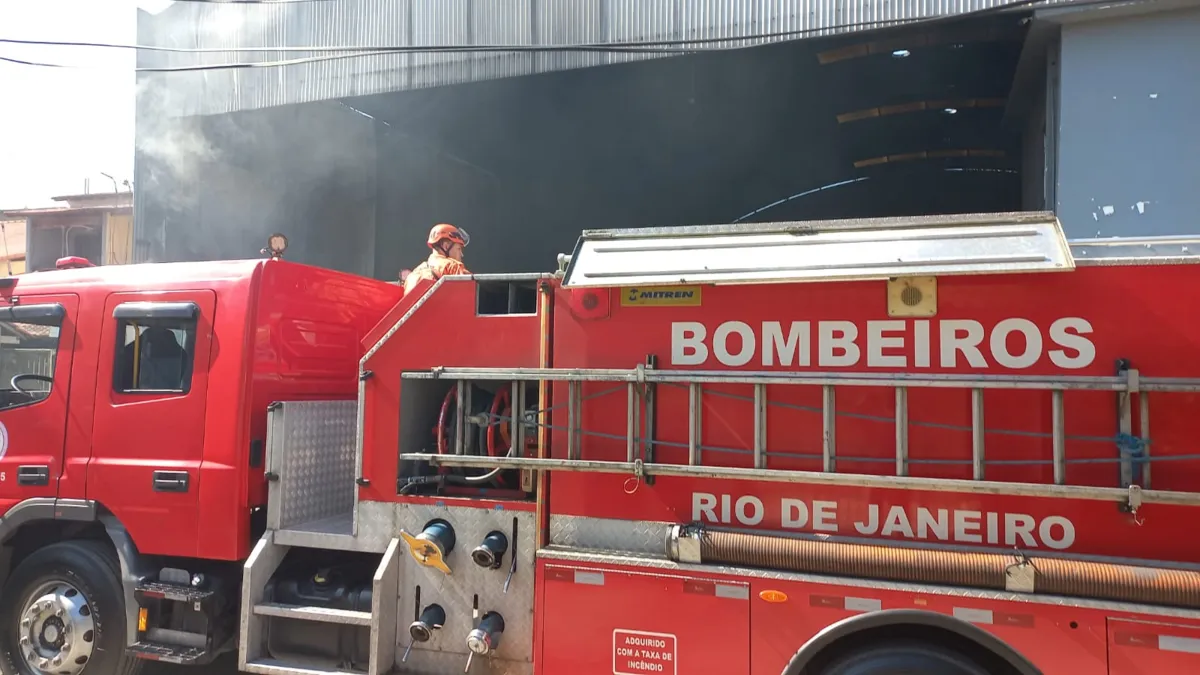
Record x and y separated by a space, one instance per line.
1125 406
575 419
695 416
462 401
1060 437
517 418
760 426
901 431
829 423
1144 424
977 433
632 419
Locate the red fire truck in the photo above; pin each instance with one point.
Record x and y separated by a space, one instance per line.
860 447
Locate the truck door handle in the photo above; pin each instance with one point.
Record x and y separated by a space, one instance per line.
33 475
171 481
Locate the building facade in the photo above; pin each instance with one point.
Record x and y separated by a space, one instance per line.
354 156
96 227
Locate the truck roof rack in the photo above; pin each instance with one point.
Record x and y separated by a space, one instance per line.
873 248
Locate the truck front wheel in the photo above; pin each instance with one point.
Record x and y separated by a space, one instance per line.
62 612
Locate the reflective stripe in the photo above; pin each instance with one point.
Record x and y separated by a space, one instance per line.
850 604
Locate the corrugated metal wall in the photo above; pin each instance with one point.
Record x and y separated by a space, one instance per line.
454 22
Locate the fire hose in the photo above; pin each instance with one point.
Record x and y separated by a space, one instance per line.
998 571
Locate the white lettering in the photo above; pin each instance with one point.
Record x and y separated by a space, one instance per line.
964 529
721 343
871 526
775 344
962 343
687 343
704 506
897 521
907 521
749 510
1046 532
1085 350
926 522
993 528
877 342
1018 525
825 516
968 344
837 336
921 344
1033 343
795 513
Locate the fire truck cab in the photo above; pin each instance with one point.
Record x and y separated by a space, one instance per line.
133 403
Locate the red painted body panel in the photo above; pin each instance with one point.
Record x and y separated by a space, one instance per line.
274 330
1038 525
444 330
582 604
604 619
1130 317
1139 647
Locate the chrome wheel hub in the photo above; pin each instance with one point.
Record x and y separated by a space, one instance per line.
57 631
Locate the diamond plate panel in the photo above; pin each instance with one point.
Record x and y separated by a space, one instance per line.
312 451
456 593
629 536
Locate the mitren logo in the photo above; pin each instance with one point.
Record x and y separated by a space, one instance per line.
961 526
1011 343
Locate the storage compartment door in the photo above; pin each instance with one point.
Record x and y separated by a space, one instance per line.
1152 648
600 621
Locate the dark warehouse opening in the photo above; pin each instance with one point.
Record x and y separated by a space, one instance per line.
916 120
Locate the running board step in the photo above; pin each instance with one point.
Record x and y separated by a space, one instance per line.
156 590
321 614
180 654
274 667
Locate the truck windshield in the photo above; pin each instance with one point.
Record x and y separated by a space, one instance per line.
27 354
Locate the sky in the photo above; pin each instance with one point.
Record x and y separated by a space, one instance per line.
60 126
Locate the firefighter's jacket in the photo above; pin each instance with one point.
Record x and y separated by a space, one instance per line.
436 267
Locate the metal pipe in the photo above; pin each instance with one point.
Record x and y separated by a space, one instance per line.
1116 495
545 360
999 571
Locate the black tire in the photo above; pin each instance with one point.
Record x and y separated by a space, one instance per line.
901 658
93 569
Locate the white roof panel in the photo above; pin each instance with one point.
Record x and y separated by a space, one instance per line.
821 251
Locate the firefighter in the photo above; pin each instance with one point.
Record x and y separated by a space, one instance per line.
447 242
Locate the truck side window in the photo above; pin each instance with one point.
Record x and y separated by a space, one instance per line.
28 351
156 344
